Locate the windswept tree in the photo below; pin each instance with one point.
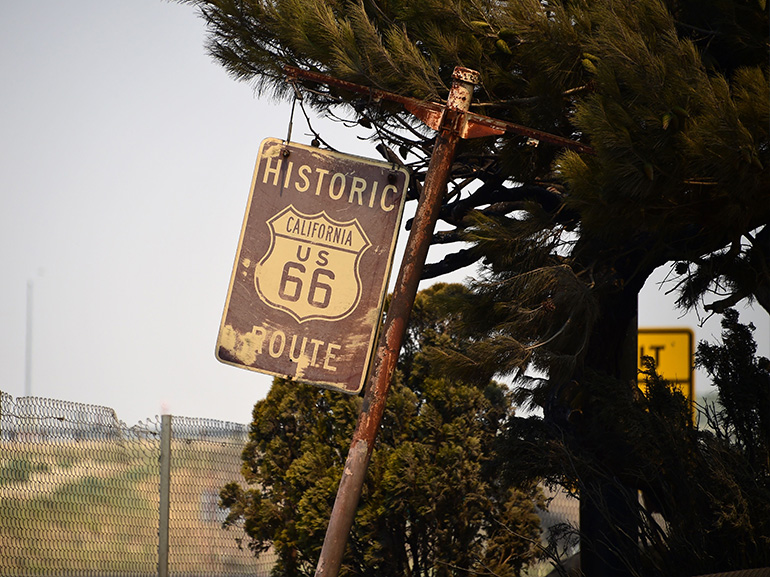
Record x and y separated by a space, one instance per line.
673 97
434 503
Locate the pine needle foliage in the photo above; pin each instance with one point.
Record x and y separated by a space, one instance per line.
678 122
672 95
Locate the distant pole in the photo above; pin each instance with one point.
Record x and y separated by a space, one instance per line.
28 346
361 447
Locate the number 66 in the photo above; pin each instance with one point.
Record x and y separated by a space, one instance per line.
319 292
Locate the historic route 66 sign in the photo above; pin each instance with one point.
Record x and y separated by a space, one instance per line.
312 265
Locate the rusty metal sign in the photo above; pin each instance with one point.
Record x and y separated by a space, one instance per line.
312 265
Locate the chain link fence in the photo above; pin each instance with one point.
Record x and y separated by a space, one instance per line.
80 494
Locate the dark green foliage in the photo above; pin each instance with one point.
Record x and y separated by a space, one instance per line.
294 458
705 492
673 96
743 382
433 503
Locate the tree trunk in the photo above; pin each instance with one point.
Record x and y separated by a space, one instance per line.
608 519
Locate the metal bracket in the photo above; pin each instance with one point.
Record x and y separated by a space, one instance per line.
432 114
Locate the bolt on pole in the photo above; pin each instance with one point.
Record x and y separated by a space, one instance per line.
349 492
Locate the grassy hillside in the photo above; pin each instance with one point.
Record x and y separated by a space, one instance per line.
87 508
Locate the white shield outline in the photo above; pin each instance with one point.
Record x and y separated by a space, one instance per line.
352 224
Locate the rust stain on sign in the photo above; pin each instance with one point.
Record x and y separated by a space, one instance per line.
312 265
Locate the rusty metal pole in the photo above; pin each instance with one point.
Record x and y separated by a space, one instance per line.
361 447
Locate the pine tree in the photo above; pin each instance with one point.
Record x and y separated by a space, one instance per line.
672 95
434 503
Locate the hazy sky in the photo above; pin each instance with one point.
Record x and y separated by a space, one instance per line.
126 156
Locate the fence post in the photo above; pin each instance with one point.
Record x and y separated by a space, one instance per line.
165 494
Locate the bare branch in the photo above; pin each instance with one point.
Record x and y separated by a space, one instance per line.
451 263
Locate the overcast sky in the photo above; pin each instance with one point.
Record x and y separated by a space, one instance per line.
126 156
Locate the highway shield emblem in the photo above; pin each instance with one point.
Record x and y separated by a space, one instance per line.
310 270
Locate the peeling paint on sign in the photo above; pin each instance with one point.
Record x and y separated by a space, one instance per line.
312 265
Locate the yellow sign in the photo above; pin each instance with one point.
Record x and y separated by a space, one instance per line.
672 350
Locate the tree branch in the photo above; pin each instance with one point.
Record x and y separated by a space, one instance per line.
495 192
451 263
